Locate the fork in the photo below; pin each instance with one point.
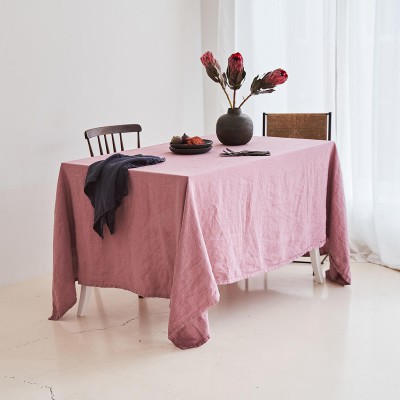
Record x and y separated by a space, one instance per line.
230 153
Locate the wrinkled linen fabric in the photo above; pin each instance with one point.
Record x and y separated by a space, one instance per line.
106 184
196 222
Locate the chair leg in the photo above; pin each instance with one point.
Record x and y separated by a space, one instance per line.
316 265
84 298
326 256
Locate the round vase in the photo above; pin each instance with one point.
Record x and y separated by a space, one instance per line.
234 128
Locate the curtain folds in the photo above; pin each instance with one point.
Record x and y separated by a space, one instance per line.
341 56
218 36
368 99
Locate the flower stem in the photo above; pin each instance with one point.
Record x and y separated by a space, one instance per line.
244 101
227 96
234 98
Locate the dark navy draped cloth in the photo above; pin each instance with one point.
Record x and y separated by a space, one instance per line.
107 183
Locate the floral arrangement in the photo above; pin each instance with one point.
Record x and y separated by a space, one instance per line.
235 75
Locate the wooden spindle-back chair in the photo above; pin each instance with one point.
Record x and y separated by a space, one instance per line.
105 137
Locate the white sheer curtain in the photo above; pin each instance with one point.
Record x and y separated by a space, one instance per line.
341 56
296 35
217 36
368 127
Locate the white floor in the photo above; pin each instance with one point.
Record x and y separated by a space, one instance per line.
283 337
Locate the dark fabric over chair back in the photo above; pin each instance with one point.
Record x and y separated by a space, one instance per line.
299 126
106 140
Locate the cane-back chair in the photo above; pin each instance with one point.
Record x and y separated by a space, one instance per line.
299 126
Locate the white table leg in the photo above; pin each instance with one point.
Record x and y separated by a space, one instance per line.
316 265
84 298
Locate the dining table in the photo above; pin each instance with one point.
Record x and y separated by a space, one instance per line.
198 221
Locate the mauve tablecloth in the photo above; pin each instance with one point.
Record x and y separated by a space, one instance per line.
194 222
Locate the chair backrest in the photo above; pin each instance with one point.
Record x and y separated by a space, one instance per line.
300 126
109 131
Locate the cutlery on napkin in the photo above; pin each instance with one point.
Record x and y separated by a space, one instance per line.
230 153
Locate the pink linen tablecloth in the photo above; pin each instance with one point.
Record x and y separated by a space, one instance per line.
195 222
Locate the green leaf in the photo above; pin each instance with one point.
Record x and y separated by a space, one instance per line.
224 79
265 91
211 74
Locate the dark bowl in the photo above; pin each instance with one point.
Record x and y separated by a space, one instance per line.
207 143
188 151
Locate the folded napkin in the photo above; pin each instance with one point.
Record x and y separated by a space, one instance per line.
230 153
107 182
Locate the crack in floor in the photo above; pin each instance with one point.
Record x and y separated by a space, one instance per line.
35 383
120 326
31 341
107 327
51 392
22 345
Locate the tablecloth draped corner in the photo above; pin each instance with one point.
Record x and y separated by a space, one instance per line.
192 335
337 234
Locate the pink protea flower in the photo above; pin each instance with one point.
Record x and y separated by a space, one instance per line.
235 71
212 66
235 75
208 59
276 77
268 81
235 62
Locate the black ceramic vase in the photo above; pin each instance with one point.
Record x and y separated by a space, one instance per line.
234 128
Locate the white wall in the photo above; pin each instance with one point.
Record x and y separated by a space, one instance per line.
66 66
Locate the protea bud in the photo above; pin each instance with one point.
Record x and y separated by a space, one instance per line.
212 66
276 77
235 71
268 81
